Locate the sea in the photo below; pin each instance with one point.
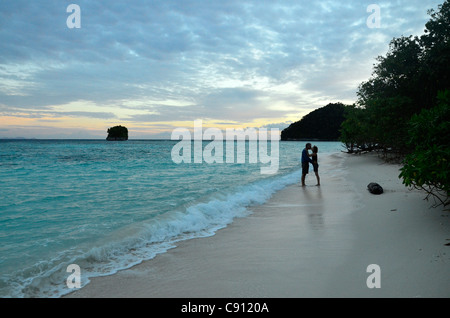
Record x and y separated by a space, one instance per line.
106 206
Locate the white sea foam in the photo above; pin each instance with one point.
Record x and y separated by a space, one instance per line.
130 246
170 205
160 234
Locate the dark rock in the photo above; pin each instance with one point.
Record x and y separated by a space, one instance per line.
117 133
375 188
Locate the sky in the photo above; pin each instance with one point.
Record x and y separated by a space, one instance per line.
157 65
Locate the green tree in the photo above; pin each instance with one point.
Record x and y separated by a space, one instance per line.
405 107
392 95
436 53
428 166
354 130
403 82
386 123
396 73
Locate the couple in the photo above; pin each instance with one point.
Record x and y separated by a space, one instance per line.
306 160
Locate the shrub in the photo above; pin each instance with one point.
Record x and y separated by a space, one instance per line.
428 166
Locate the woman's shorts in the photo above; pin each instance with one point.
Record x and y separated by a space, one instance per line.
316 167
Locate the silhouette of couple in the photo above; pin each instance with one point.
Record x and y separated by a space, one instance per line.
308 158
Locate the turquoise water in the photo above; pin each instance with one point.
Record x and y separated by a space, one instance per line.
106 206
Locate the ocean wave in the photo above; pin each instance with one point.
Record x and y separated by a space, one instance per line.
106 221
144 240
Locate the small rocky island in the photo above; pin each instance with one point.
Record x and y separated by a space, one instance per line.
117 133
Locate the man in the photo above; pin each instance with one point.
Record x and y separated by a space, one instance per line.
305 162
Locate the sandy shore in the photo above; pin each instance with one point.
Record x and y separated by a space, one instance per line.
308 242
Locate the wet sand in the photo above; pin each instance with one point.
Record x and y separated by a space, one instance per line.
308 242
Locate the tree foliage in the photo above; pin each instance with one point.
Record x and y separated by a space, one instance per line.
321 124
400 110
428 166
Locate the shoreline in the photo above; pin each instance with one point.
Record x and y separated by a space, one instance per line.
307 242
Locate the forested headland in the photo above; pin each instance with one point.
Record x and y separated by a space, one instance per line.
321 124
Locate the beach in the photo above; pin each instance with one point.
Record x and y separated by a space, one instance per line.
308 242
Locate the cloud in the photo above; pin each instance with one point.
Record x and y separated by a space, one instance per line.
46 114
230 61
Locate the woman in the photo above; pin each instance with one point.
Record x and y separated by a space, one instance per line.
315 164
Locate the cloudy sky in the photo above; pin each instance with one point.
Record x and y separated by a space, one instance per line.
157 65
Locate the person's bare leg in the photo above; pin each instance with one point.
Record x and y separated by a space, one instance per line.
318 179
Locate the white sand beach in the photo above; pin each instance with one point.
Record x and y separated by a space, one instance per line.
308 242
